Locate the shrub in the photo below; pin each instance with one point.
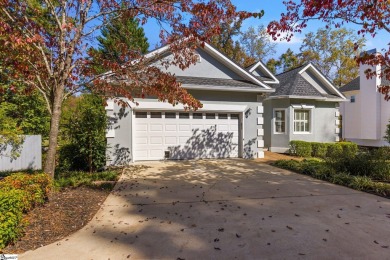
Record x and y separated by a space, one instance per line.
289 165
12 205
36 186
349 149
300 148
19 193
335 150
319 149
85 131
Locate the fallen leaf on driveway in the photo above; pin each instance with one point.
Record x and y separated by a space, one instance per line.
289 227
221 229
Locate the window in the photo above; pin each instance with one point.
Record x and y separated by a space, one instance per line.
155 114
280 121
234 117
170 115
184 115
222 116
141 114
210 116
352 99
197 116
302 121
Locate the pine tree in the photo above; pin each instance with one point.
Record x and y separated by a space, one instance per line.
119 36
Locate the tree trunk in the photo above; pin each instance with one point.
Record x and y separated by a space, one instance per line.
50 162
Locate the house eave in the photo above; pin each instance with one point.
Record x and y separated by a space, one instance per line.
308 97
223 88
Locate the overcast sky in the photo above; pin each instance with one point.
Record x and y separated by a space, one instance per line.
272 10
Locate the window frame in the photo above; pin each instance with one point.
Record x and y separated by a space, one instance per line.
309 121
285 121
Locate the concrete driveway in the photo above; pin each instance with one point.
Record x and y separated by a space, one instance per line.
229 209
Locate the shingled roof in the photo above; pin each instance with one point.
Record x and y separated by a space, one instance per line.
293 84
352 85
234 83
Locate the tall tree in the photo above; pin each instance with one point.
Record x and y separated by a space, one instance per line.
370 16
287 61
232 48
334 52
117 37
44 43
257 43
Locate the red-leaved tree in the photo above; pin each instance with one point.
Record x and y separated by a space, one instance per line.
371 15
44 45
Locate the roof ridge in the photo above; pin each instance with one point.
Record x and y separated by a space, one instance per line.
303 65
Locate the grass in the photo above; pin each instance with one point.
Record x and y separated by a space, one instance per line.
319 169
103 180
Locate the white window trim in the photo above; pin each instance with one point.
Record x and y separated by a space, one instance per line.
308 108
274 121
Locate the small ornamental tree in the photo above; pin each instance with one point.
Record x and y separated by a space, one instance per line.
85 131
44 44
370 16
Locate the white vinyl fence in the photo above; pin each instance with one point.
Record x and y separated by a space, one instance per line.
30 156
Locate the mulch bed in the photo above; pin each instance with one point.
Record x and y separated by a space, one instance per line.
66 212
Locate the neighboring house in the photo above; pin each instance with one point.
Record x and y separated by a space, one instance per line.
231 122
304 107
366 115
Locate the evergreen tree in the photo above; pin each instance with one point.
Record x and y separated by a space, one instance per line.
118 37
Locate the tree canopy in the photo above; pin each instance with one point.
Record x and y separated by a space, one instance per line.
370 16
333 51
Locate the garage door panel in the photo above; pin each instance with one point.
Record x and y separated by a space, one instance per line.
224 127
156 153
156 127
233 128
156 140
170 140
141 140
141 127
170 127
184 127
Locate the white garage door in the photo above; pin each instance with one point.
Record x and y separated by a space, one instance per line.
183 135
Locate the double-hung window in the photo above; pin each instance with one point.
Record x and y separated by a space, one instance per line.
280 121
302 121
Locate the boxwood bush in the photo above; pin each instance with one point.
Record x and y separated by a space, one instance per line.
319 149
300 148
19 193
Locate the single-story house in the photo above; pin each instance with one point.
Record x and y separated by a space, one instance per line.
366 114
245 110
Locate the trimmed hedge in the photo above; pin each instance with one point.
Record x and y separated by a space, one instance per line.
300 148
18 194
323 150
319 149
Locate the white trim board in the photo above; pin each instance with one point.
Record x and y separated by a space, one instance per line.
259 63
324 79
158 106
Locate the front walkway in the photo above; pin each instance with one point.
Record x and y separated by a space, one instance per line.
229 209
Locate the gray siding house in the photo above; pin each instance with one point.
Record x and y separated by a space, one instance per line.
242 107
304 106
